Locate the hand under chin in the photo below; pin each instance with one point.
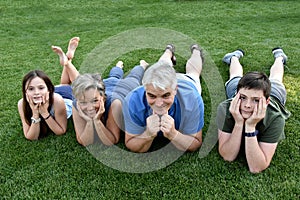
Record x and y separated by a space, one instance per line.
160 111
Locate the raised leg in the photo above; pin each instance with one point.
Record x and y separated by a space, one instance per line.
168 55
277 69
235 68
69 72
73 44
232 59
194 64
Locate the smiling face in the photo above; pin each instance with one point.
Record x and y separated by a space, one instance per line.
160 100
90 102
249 99
37 90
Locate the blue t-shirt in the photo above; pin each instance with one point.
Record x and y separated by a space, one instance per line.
187 110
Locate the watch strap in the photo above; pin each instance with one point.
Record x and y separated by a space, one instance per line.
251 134
35 121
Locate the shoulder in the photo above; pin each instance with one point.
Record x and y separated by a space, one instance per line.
58 101
188 94
275 112
20 105
277 109
57 97
224 105
136 102
224 118
136 95
186 86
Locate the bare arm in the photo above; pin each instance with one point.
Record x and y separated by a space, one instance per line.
32 131
258 154
186 142
59 124
114 119
84 129
229 144
103 133
138 143
183 142
142 142
165 123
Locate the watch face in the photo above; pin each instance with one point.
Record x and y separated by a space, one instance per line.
35 120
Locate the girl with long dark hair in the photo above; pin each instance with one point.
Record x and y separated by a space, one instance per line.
44 106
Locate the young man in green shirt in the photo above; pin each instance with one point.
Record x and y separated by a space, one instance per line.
252 119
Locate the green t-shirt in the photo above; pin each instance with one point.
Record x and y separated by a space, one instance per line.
271 128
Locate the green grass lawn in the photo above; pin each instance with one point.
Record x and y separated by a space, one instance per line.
57 167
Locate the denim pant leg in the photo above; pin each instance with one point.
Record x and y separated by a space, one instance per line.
231 87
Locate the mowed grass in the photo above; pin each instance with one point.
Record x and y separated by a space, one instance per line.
57 167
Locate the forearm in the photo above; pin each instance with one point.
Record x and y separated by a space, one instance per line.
185 142
33 131
230 148
86 136
103 133
57 128
140 143
256 159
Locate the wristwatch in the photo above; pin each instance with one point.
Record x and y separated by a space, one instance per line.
252 134
35 121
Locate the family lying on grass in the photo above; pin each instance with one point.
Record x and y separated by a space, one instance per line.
155 104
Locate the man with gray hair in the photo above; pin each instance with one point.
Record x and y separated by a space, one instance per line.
168 105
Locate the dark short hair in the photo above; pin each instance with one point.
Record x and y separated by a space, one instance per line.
257 81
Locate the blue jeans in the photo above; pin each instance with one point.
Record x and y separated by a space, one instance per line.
277 89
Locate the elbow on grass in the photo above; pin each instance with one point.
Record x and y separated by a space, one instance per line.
228 158
61 133
194 148
191 149
28 137
86 143
136 149
110 143
256 170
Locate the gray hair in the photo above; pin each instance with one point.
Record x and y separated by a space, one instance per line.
161 75
86 81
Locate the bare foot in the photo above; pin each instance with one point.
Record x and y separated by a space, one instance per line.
73 44
62 56
144 64
120 64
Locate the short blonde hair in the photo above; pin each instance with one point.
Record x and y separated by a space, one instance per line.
86 81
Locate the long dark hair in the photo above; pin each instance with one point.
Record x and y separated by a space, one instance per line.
26 107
